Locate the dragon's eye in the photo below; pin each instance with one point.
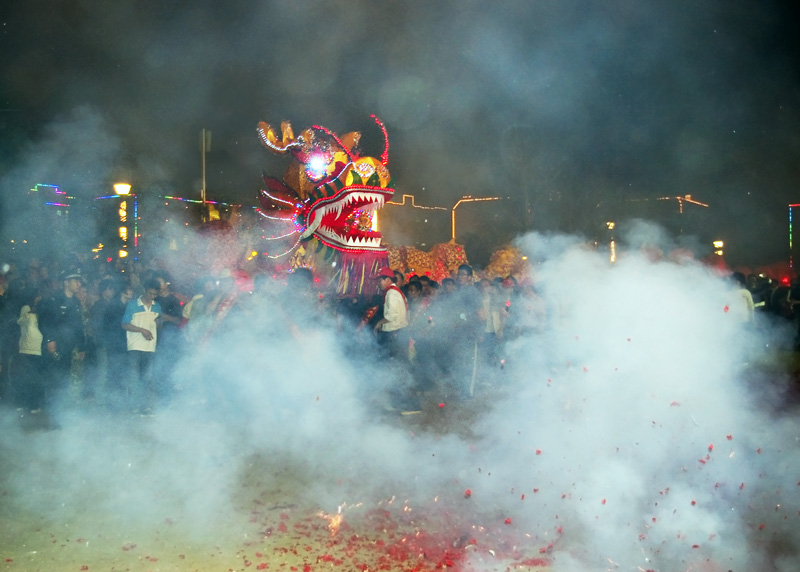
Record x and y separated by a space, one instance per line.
316 167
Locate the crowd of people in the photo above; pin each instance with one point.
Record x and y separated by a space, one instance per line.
111 334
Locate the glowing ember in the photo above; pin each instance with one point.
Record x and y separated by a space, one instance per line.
334 520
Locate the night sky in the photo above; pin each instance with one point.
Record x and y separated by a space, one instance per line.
577 99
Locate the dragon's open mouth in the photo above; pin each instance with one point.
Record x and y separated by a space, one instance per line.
345 220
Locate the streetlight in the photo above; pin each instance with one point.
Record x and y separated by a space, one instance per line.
466 199
205 147
124 190
612 244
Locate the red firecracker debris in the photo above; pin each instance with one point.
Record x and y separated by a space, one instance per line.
729 437
508 521
694 503
603 501
467 493
726 308
711 447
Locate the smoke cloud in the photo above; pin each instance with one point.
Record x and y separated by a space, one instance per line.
632 429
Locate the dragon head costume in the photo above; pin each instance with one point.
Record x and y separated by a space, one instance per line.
330 193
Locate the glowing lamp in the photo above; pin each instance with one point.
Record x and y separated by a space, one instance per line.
122 188
123 253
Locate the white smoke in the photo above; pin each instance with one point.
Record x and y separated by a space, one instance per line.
628 432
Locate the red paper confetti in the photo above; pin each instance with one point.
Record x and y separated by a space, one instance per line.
508 521
729 436
711 447
726 308
538 451
467 493
694 503
603 501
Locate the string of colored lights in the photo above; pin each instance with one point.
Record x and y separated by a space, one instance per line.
791 233
416 206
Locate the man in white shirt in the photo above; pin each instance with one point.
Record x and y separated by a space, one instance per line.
395 307
140 324
392 331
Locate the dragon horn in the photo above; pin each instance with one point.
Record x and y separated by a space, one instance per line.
267 135
385 154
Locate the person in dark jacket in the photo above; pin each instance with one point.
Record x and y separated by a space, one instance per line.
61 324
